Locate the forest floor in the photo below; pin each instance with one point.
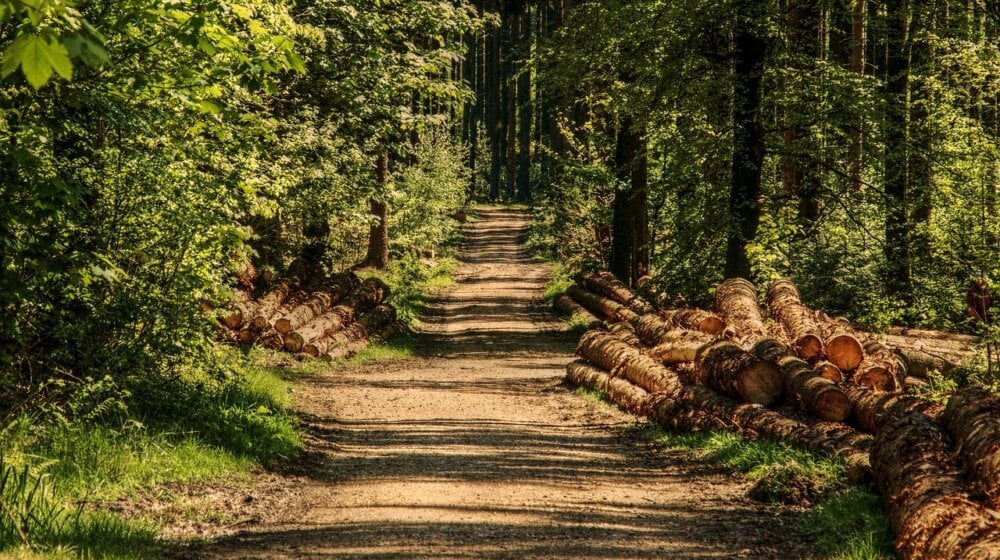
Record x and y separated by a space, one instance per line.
474 448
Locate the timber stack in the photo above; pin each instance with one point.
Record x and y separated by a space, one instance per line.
331 319
786 372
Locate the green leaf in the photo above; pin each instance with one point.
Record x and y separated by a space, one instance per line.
38 59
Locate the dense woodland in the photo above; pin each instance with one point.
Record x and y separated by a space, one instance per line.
162 157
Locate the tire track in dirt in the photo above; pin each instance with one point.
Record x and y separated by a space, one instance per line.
474 449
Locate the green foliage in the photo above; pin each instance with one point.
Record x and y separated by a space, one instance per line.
851 525
34 519
843 522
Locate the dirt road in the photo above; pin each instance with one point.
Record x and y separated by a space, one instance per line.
474 449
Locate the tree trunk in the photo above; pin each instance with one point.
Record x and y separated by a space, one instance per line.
696 319
726 367
748 140
568 306
630 227
378 236
855 149
525 113
897 227
493 122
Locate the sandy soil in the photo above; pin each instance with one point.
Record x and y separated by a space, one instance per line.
475 449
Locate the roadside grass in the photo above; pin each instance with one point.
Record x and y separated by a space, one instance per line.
61 465
842 521
412 281
560 281
398 348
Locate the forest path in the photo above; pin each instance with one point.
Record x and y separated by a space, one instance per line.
474 448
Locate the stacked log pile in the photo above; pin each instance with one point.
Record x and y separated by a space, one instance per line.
797 375
333 320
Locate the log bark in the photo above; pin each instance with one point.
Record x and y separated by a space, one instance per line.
736 300
625 332
920 364
929 504
799 321
771 350
871 409
813 393
629 397
236 314
606 284
726 367
366 325
696 408
317 303
936 335
267 305
668 340
568 306
366 296
602 307
611 354
385 334
696 319
972 417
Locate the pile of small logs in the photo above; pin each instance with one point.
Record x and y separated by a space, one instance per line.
787 372
333 320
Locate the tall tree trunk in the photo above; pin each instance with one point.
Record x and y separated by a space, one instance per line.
493 122
630 228
507 97
525 112
859 41
801 176
748 140
378 236
897 228
920 176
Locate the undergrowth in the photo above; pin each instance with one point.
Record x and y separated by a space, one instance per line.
107 442
412 281
842 521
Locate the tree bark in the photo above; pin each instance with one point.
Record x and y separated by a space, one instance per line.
812 392
630 226
929 504
378 235
972 417
525 112
897 227
736 300
748 139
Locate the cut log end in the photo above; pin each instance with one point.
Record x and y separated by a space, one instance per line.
833 405
829 371
712 325
845 351
876 377
809 347
283 325
760 383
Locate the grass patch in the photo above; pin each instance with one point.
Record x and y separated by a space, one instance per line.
412 281
594 396
396 349
561 280
217 422
844 522
851 526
